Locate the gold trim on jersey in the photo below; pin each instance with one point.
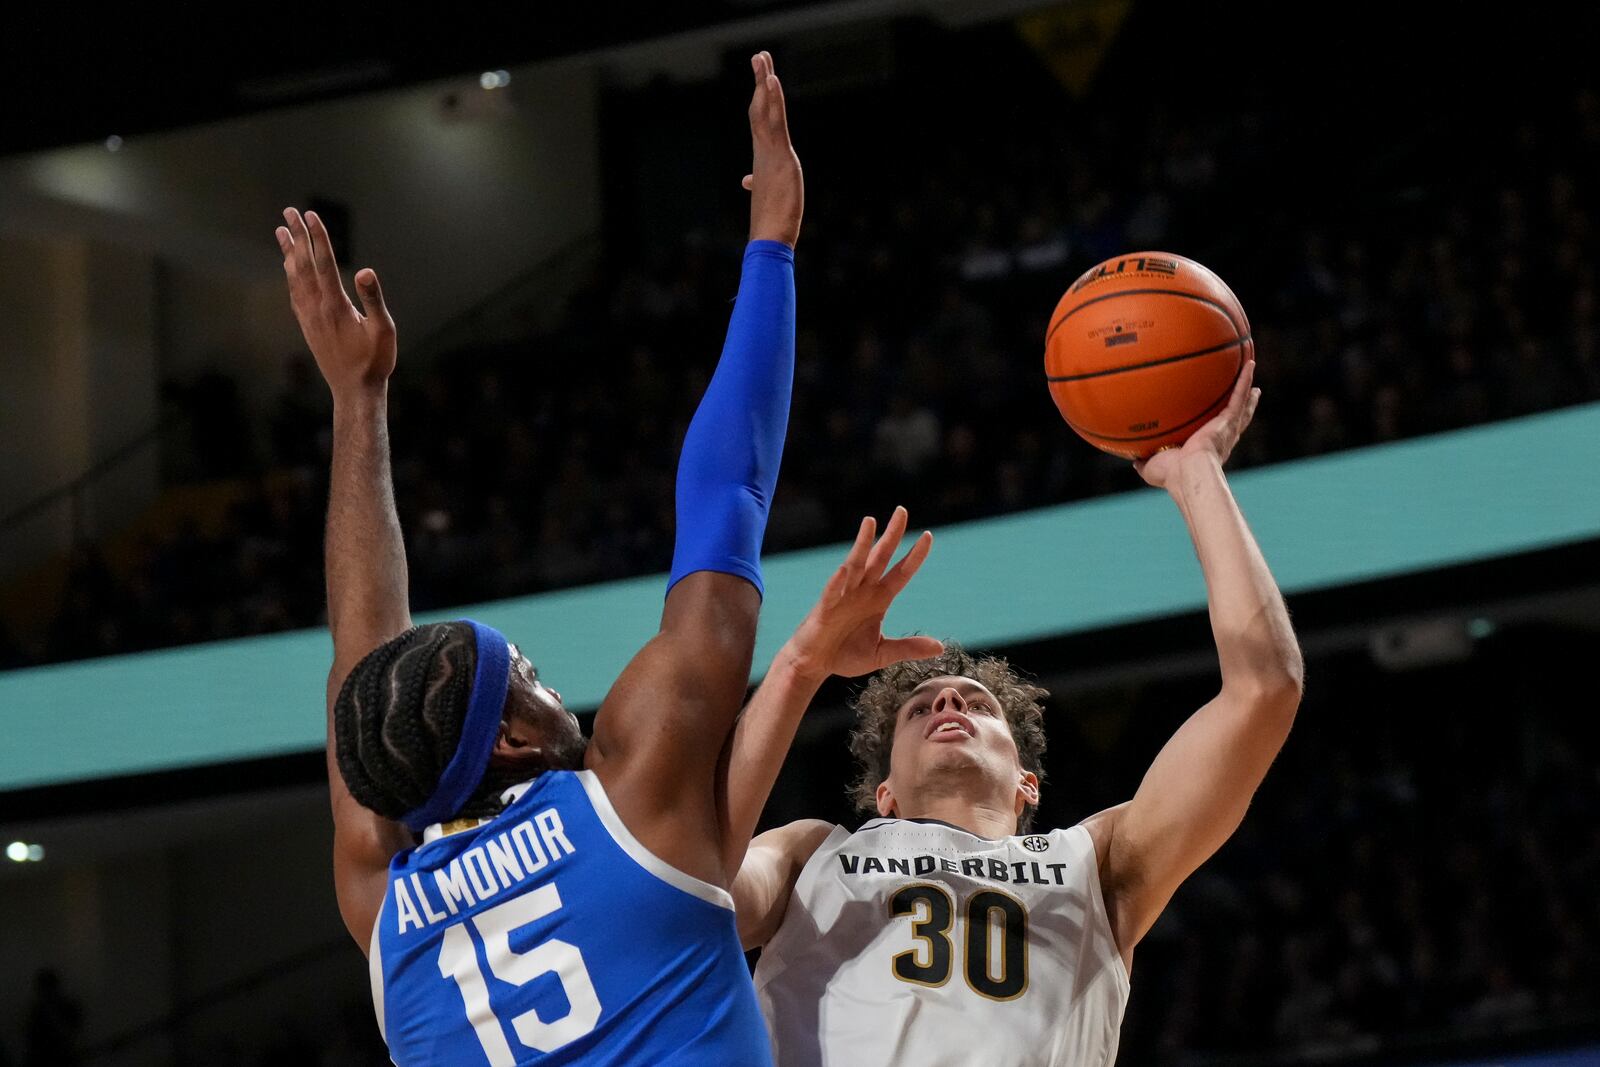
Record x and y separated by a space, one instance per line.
456 826
966 971
941 909
908 958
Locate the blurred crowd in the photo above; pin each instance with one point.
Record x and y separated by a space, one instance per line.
1452 297
1420 862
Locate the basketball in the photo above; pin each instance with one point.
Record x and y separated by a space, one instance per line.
1142 350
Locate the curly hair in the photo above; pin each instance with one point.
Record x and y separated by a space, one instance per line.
398 719
878 705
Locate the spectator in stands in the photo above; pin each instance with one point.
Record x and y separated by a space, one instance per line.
1475 301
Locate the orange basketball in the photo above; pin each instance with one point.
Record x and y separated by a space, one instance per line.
1142 350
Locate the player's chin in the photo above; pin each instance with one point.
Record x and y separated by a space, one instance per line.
949 754
567 754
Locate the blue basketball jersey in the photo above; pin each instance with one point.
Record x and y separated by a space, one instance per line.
548 935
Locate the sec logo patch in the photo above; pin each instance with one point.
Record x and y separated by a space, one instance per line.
1036 843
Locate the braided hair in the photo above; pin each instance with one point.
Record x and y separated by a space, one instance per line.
398 719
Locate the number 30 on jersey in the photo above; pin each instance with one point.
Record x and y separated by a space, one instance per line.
995 955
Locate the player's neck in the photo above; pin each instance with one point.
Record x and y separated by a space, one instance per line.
984 820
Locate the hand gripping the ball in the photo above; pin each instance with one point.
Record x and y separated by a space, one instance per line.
1215 438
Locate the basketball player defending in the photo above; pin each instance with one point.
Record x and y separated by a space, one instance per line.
524 897
935 934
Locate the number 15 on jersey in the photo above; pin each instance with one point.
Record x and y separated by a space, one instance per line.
458 961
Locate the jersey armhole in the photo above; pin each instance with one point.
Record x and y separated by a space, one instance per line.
774 959
657 866
1099 908
375 974
808 871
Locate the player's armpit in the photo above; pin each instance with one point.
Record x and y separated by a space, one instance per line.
670 711
360 880
660 731
363 842
1102 825
767 877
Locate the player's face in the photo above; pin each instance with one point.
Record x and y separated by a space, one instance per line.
952 731
541 721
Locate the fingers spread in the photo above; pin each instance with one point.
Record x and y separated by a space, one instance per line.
897 649
838 585
909 564
301 239
884 550
335 300
855 562
864 535
321 245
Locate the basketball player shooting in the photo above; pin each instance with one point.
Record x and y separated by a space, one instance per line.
525 897
935 934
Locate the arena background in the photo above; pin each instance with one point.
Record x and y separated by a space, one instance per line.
1403 201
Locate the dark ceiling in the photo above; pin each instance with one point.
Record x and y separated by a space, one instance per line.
75 74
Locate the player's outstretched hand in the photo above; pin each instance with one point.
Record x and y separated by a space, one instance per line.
353 349
843 634
1216 437
777 188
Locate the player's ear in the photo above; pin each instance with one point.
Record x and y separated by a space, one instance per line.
1027 790
885 797
515 743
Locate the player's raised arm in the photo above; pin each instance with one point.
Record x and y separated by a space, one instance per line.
843 635
364 552
661 729
1196 792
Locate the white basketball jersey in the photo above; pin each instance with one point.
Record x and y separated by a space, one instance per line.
917 944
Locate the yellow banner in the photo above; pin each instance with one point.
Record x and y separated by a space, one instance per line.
1073 39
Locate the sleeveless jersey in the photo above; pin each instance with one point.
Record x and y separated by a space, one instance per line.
549 935
911 943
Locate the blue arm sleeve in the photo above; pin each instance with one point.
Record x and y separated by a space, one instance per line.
729 465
